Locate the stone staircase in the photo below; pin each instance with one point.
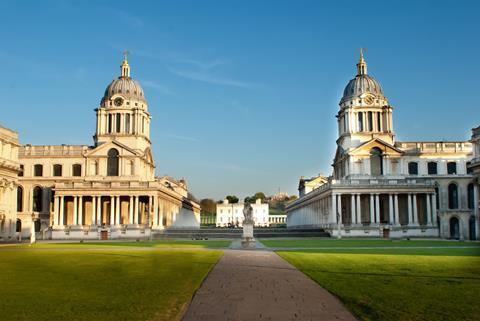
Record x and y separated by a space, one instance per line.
236 233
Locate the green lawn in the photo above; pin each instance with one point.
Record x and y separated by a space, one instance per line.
385 286
150 244
96 284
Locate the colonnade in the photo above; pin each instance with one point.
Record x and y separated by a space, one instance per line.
367 209
113 210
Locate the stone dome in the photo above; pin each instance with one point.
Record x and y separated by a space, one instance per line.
126 87
362 84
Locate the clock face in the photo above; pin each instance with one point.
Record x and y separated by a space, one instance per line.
118 102
369 100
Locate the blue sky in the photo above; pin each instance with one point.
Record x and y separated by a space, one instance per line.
243 94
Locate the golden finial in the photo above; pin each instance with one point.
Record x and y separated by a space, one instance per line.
125 56
362 65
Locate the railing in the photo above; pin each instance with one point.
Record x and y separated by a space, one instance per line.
449 147
62 150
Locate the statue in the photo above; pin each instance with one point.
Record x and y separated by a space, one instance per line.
247 213
248 241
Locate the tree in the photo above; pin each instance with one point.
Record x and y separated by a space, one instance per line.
259 195
232 199
208 206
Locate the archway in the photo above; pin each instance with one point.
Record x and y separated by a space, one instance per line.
471 228
454 228
112 163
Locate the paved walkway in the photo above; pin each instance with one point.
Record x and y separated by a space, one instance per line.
259 285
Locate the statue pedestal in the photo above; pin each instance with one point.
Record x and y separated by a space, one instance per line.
248 242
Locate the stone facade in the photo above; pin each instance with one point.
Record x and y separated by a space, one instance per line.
233 214
9 169
385 188
108 190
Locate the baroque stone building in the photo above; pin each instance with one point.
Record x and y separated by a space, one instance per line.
383 187
108 190
9 169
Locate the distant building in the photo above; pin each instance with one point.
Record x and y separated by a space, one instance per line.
280 196
383 187
228 213
306 185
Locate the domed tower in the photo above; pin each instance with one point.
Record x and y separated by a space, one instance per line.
123 113
365 112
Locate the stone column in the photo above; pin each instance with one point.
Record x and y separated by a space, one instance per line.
99 210
352 209
377 208
94 201
340 219
135 211
429 210
390 209
359 209
372 210
75 210
62 210
475 210
415 212
410 221
334 209
160 216
155 210
112 210
130 210
397 214
149 213
56 212
80 210
118 211
434 209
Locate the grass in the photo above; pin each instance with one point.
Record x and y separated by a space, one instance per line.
437 284
100 285
150 244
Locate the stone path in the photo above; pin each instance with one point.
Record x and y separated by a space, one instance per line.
259 285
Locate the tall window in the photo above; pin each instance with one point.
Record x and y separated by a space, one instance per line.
413 168
370 121
37 199
38 170
22 169
376 166
360 122
118 122
452 168
112 163
452 196
379 122
76 170
57 170
19 199
127 123
432 168
110 123
470 196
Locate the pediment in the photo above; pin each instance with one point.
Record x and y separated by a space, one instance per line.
103 149
365 148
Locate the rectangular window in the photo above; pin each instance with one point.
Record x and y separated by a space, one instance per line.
413 168
432 168
370 121
360 122
77 170
452 168
118 122
38 170
127 123
22 168
57 170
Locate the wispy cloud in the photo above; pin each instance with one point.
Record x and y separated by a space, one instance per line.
202 64
183 138
210 78
161 88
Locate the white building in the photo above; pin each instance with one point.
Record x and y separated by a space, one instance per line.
228 213
9 169
383 187
108 190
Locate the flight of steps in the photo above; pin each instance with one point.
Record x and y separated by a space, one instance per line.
236 233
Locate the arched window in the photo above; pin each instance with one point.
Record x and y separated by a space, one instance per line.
470 197
112 163
76 170
376 166
57 170
19 199
38 170
413 168
452 196
452 168
432 168
37 199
